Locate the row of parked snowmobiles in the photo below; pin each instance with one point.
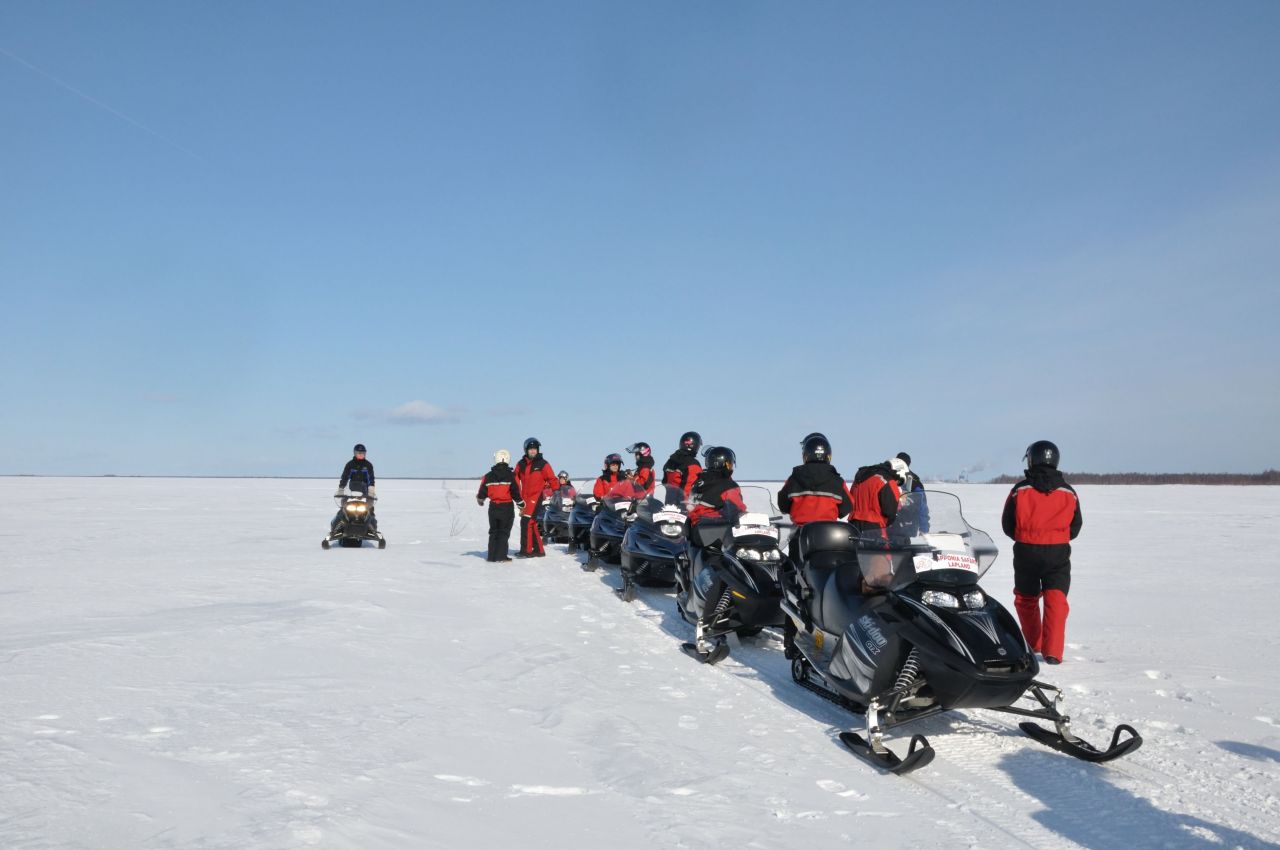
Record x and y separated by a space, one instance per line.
890 623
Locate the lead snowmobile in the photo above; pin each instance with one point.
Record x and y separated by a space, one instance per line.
743 553
578 526
654 541
893 625
354 522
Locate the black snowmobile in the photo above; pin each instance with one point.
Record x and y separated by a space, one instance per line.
655 539
617 509
354 522
555 516
742 552
893 625
581 517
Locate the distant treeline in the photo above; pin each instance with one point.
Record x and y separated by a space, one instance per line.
1271 476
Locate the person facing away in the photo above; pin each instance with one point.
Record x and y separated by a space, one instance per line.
875 492
682 468
610 477
644 477
499 486
1042 515
912 484
536 477
813 492
716 495
358 473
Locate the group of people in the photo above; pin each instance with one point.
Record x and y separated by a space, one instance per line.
1041 513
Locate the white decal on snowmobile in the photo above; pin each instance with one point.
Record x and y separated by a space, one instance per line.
945 561
876 640
669 516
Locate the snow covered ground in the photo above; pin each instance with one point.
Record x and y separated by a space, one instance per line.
182 666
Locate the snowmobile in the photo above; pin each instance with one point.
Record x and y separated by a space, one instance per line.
892 624
742 552
581 517
654 540
555 516
617 509
354 522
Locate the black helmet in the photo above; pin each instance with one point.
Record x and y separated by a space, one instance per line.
641 449
359 449
612 457
719 457
816 448
532 443
808 437
1041 452
905 458
691 440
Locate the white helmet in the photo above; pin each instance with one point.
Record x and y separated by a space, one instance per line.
900 468
502 456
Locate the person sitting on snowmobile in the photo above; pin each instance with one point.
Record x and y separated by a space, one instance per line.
564 487
682 468
536 477
610 477
358 473
875 493
715 496
644 479
1042 515
813 492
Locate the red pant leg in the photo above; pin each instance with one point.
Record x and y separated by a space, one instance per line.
1028 608
1055 623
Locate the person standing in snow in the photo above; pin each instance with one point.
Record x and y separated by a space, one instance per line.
536 478
912 482
1042 515
875 493
499 486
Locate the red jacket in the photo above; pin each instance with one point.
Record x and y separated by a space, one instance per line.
1042 509
715 490
814 492
681 470
875 495
644 479
607 484
535 478
499 485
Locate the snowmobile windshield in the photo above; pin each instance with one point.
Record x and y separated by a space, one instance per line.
622 495
663 500
759 500
928 541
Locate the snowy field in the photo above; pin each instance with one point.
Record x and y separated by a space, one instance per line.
182 666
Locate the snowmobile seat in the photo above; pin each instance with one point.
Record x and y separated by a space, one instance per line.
819 571
825 536
841 598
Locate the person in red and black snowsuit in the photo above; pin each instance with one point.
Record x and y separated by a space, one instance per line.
813 492
610 477
1042 515
875 493
499 486
536 478
715 496
682 468
644 478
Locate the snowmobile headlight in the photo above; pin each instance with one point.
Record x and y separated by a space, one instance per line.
771 555
671 529
356 507
749 554
568 503
974 599
939 599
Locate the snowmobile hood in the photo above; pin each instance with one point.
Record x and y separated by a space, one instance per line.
1045 478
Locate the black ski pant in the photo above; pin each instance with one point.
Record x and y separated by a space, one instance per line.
1037 568
502 516
530 537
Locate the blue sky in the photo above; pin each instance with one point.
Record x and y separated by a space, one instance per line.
236 238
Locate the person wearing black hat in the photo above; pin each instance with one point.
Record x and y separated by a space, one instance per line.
911 482
1042 515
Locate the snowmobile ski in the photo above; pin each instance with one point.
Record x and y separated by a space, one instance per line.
715 656
919 753
627 593
1083 750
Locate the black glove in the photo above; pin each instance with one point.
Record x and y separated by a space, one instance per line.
480 502
520 505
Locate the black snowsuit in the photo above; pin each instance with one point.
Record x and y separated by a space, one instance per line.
499 486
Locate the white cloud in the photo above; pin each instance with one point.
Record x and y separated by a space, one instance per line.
415 413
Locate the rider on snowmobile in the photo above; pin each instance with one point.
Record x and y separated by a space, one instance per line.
682 468
610 476
644 479
876 490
